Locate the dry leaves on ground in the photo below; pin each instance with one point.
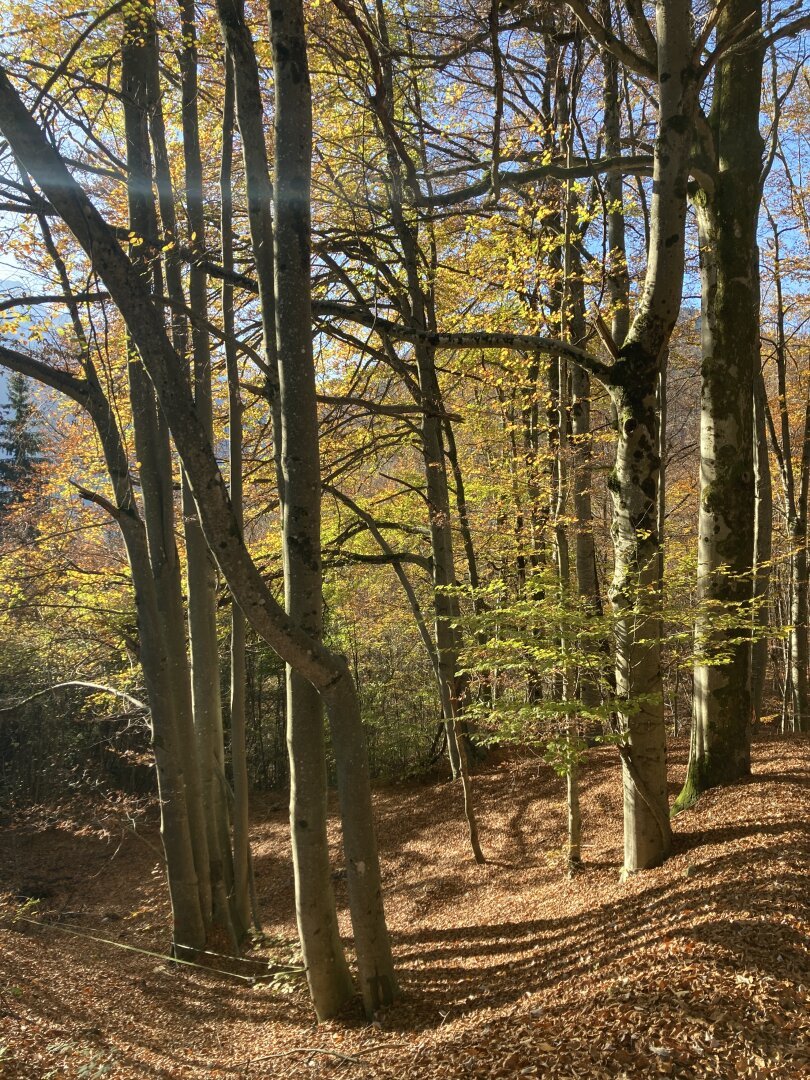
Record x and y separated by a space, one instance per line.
700 968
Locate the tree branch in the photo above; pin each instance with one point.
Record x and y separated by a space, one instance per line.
96 687
67 384
514 178
99 500
608 40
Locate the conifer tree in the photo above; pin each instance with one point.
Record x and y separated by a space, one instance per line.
20 442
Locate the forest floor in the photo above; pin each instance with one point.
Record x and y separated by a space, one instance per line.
700 968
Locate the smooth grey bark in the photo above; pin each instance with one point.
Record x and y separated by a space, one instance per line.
327 972
325 670
574 812
618 279
795 493
763 544
200 567
445 604
799 651
300 463
727 209
663 446
238 666
204 661
416 303
634 483
152 445
422 315
451 453
330 983
249 118
585 548
189 918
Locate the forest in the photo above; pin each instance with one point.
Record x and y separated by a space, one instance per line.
404 586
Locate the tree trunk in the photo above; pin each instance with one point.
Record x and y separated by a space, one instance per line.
188 916
574 815
634 483
799 650
241 839
328 975
201 572
727 223
154 455
364 882
763 543
618 279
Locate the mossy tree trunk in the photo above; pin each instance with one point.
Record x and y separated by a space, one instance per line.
727 206
634 592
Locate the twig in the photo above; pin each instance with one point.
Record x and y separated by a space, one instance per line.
247 1062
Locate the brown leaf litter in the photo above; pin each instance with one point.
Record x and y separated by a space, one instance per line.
700 968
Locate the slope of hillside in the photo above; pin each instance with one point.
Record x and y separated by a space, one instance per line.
700 968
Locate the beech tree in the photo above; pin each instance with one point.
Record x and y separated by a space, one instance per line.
453 275
795 482
328 980
727 194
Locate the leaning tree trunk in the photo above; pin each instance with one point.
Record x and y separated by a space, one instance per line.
188 916
308 655
727 223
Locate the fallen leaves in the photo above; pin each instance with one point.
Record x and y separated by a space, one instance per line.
508 970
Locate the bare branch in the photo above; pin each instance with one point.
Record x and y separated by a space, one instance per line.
641 164
608 40
67 384
99 500
98 688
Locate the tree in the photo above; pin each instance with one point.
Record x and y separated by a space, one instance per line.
726 198
794 472
20 441
327 673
